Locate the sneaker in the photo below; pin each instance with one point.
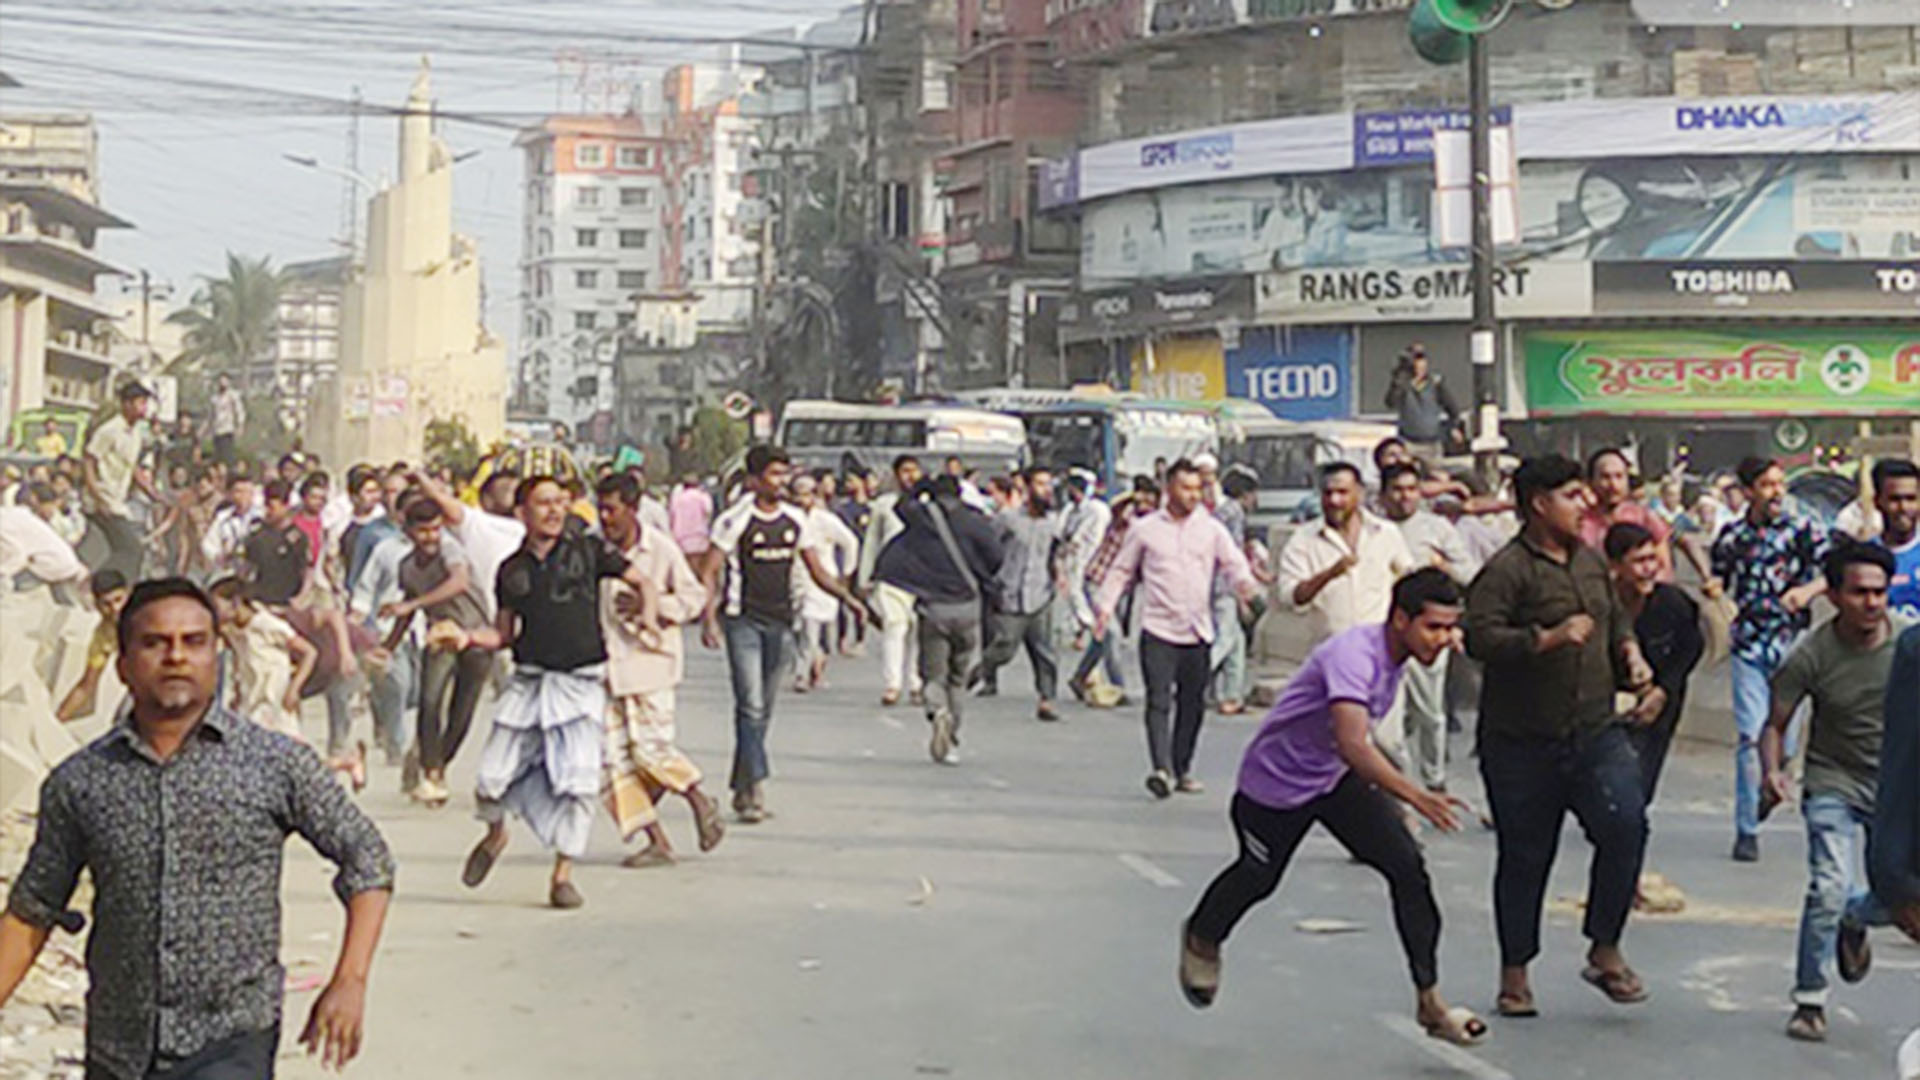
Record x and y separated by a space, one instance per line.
1855 954
1809 1024
1187 785
1159 783
1199 973
1746 849
941 747
1046 712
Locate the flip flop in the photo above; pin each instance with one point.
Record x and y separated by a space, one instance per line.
1459 1027
1515 1007
1621 987
646 858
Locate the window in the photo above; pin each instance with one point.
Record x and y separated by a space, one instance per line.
586 279
590 155
544 244
542 282
623 319
896 204
635 157
635 196
586 197
633 238
633 279
586 237
733 181
584 320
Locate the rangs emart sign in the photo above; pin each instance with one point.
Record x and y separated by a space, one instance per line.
1832 371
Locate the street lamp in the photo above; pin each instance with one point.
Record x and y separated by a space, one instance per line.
311 162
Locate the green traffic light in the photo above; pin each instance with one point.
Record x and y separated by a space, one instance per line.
1440 28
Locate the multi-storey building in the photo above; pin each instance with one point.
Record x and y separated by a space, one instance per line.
306 331
55 338
1711 242
645 201
1007 266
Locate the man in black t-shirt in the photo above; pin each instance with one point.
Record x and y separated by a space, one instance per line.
277 553
763 543
1666 622
542 757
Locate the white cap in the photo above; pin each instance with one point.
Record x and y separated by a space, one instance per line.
1206 461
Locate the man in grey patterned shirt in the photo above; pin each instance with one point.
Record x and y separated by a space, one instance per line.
182 813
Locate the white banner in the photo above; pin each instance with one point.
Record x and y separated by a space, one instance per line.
1660 127
1531 290
1303 144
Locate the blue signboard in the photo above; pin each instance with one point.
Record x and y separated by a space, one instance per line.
1298 373
1405 137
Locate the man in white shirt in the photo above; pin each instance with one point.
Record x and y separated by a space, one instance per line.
839 550
28 545
490 534
1340 571
112 471
226 538
899 631
1433 541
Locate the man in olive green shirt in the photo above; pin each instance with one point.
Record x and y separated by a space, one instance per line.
1542 616
1843 667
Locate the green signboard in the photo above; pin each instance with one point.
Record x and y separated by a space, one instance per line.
1839 371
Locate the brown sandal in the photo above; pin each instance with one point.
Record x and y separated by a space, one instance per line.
1516 1006
1622 987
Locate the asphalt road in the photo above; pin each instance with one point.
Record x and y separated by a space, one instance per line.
1015 916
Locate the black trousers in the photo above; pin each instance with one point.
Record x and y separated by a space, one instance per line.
1531 786
1366 824
1177 678
450 686
246 1056
1650 743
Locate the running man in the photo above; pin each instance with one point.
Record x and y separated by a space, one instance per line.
1314 761
542 760
643 761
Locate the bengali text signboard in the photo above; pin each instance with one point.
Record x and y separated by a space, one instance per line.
1834 371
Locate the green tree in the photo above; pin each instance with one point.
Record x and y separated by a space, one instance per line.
717 437
451 443
230 321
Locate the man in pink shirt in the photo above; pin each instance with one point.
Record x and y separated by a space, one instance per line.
690 510
1174 553
1610 478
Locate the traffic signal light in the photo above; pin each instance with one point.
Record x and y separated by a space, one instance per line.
1440 28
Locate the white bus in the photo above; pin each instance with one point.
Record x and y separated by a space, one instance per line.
1115 435
834 434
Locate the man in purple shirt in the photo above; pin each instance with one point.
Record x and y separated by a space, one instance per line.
1175 554
1314 761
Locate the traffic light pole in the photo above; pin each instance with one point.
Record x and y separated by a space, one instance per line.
1484 341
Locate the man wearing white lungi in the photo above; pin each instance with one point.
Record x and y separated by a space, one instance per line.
642 760
542 759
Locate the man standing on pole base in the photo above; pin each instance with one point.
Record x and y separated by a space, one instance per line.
542 760
1542 616
1175 554
764 544
180 816
1313 761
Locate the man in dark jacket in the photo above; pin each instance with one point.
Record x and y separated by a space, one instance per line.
1424 405
948 597
1893 847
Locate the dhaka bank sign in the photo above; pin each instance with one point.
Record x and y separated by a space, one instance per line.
1849 121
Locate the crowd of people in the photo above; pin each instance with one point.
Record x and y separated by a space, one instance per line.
230 593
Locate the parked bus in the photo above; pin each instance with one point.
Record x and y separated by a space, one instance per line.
1115 435
1286 455
832 434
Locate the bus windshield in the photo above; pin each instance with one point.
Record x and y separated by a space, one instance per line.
1280 461
1067 439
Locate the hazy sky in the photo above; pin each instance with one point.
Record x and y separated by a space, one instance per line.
197 100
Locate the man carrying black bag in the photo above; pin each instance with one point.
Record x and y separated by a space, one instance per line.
944 555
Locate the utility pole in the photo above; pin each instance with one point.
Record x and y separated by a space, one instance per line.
1484 339
349 196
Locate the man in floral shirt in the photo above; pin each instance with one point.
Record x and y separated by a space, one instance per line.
1770 562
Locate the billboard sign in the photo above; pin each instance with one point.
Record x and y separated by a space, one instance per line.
1756 287
1388 293
1832 371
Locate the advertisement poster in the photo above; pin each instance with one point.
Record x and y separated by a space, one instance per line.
356 398
1832 371
1298 374
390 398
1814 207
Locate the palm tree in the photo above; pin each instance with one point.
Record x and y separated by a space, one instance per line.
230 322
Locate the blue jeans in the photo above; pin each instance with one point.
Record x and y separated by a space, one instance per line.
391 694
1228 656
1752 701
1834 889
760 658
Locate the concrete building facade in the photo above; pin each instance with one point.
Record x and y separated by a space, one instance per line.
413 348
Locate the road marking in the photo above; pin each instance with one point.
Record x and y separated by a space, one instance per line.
1145 867
996 783
892 722
1456 1056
